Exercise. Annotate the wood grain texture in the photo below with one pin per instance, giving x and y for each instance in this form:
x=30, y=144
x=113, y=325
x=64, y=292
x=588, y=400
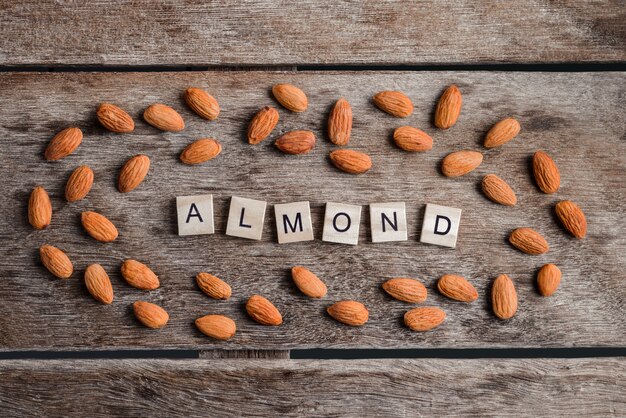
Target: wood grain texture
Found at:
x=370, y=388
x=283, y=32
x=577, y=118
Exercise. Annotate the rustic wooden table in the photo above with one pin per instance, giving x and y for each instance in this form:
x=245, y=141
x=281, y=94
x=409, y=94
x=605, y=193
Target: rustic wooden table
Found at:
x=557, y=67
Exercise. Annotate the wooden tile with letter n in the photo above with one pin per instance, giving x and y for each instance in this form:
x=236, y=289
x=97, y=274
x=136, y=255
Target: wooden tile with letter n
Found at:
x=388, y=222
x=246, y=218
x=195, y=215
x=341, y=223
x=293, y=222
x=441, y=225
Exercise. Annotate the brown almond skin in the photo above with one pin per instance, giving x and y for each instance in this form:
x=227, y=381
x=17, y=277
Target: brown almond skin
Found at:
x=460, y=163
x=139, y=275
x=424, y=318
x=351, y=161
x=133, y=173
x=290, y=97
x=406, y=290
x=394, y=103
x=262, y=124
x=164, y=118
x=546, y=173
x=79, y=184
x=98, y=226
x=498, y=191
x=448, y=108
x=572, y=218
x=502, y=132
x=219, y=327
x=39, y=208
x=308, y=283
x=504, y=297
x=296, y=142
x=548, y=279
x=64, y=143
x=56, y=261
x=98, y=284
x=263, y=311
x=340, y=122
x=412, y=139
x=529, y=241
x=457, y=288
x=114, y=118
x=349, y=312
x=150, y=315
x=202, y=103
x=213, y=286
x=200, y=151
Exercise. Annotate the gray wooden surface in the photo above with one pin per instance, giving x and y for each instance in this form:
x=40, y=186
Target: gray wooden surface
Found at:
x=578, y=118
x=387, y=388
x=147, y=32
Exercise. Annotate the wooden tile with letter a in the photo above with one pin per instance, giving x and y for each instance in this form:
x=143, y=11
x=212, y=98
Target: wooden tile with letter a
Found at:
x=195, y=214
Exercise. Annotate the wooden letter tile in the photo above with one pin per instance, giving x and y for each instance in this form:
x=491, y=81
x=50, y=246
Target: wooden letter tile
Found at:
x=293, y=222
x=195, y=215
x=441, y=225
x=341, y=223
x=388, y=222
x=246, y=218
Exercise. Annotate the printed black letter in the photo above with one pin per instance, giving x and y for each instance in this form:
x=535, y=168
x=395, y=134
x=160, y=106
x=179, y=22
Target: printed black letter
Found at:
x=347, y=218
x=393, y=225
x=287, y=223
x=193, y=213
x=437, y=225
x=241, y=224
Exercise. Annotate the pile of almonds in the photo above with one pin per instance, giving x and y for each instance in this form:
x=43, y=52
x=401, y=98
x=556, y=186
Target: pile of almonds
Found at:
x=350, y=312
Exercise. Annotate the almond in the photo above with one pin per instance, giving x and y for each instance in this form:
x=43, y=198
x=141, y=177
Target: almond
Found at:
x=151, y=315
x=98, y=284
x=350, y=161
x=412, y=139
x=164, y=118
x=406, y=290
x=200, y=151
x=497, y=190
x=504, y=297
x=202, y=103
x=79, y=184
x=64, y=143
x=219, y=327
x=296, y=142
x=291, y=97
x=114, y=118
x=546, y=173
x=457, y=288
x=459, y=163
x=529, y=241
x=448, y=108
x=548, y=279
x=212, y=286
x=139, y=275
x=572, y=218
x=263, y=311
x=56, y=261
x=133, y=172
x=394, y=103
x=340, y=122
x=502, y=132
x=39, y=208
x=98, y=226
x=307, y=282
x=262, y=124
x=349, y=312
x=424, y=319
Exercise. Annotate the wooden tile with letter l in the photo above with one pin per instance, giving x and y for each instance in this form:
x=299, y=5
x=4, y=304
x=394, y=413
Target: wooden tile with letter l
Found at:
x=441, y=225
x=246, y=218
x=195, y=215
x=293, y=222
x=341, y=223
x=388, y=222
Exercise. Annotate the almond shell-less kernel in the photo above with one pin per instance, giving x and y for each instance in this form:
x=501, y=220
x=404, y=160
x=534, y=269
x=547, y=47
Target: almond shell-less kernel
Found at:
x=502, y=132
x=529, y=241
x=98, y=226
x=424, y=318
x=459, y=163
x=79, y=184
x=448, y=108
x=201, y=151
x=56, y=261
x=406, y=290
x=307, y=282
x=64, y=143
x=546, y=173
x=296, y=142
x=503, y=297
x=164, y=118
x=202, y=103
x=457, y=288
x=548, y=279
x=340, y=122
x=114, y=118
x=139, y=275
x=394, y=103
x=290, y=97
x=349, y=312
x=150, y=314
x=98, y=284
x=412, y=139
x=39, y=208
x=572, y=218
x=263, y=311
x=219, y=327
x=350, y=161
x=213, y=286
x=262, y=124
x=497, y=190
x=133, y=173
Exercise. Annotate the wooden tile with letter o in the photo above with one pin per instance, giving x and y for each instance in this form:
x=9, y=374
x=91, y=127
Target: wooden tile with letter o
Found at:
x=441, y=225
x=246, y=218
x=341, y=223
x=388, y=222
x=195, y=215
x=293, y=222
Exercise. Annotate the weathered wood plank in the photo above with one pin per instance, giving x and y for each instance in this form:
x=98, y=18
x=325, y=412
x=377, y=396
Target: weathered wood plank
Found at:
x=283, y=32
x=577, y=118
x=436, y=387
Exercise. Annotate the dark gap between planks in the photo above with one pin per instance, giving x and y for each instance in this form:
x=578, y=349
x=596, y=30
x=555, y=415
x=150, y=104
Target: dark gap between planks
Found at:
x=339, y=354
x=560, y=67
